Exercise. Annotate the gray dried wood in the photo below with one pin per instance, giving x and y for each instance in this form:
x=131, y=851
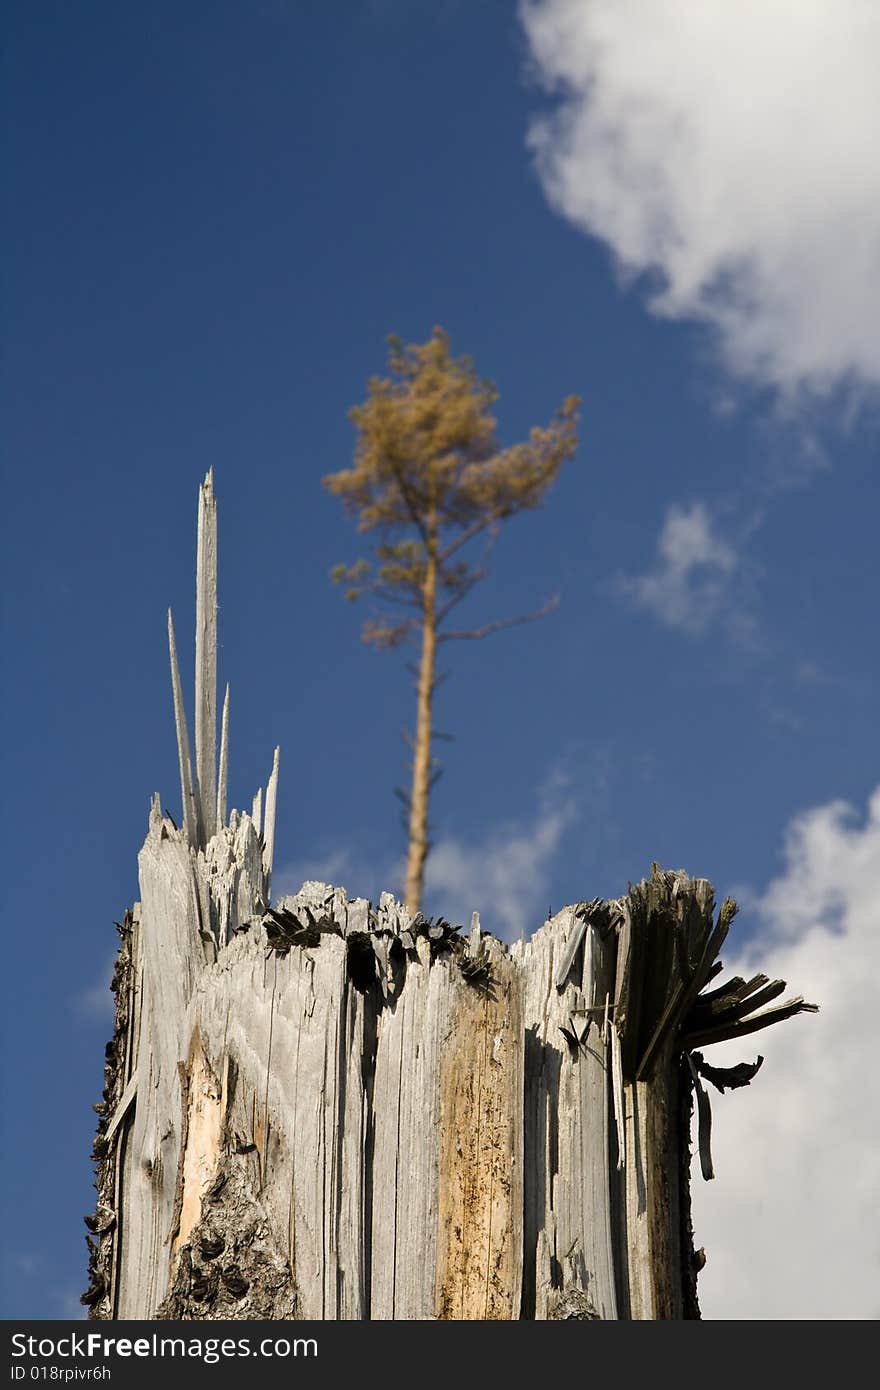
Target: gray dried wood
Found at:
x=223, y=774
x=323, y=1110
x=423, y=1124
x=206, y=659
x=269, y=826
x=187, y=791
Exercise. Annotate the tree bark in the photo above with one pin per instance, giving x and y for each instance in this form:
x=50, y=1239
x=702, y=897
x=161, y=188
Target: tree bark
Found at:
x=417, y=848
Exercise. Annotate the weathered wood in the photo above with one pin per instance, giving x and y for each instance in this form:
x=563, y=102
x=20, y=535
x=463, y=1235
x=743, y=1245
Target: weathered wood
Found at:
x=231, y=865
x=223, y=773
x=287, y=1024
x=269, y=826
x=421, y=1124
x=206, y=659
x=170, y=960
x=739, y=1028
x=109, y=1146
x=187, y=903
x=122, y=1108
x=187, y=791
x=480, y=1158
x=324, y=1110
x=568, y=1238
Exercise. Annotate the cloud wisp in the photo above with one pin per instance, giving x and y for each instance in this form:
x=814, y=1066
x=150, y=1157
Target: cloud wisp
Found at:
x=728, y=153
x=506, y=876
x=788, y=1226
x=689, y=584
x=95, y=1002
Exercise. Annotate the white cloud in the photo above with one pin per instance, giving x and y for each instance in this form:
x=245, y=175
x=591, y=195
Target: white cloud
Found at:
x=506, y=876
x=690, y=585
x=730, y=151
x=96, y=1002
x=790, y=1223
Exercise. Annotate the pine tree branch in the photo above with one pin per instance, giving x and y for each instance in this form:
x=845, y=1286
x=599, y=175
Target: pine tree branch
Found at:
x=463, y=592
x=466, y=535
x=476, y=575
x=410, y=504
x=398, y=600
x=476, y=634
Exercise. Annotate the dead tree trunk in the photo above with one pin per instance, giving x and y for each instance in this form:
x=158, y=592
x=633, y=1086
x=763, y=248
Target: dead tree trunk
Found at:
x=325, y=1110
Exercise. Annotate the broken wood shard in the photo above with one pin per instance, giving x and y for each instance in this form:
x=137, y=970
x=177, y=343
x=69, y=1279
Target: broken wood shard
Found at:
x=187, y=791
x=206, y=659
x=204, y=789
x=269, y=827
x=223, y=774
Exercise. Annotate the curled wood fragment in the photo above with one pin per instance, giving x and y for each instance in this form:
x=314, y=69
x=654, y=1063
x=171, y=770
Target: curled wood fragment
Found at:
x=704, y=1123
x=727, y=1078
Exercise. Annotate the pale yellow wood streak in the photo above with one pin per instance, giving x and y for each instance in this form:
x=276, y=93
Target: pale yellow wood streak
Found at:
x=204, y=1133
x=479, y=1256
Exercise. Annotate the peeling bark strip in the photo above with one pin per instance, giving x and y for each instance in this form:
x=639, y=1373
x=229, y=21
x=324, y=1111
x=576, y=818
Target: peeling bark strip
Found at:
x=113, y=1112
x=322, y=1110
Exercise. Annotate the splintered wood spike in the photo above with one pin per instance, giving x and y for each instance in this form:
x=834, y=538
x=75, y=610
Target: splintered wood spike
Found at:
x=223, y=776
x=187, y=791
x=206, y=659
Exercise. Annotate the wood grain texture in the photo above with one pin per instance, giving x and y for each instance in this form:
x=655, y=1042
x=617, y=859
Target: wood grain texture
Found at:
x=170, y=959
x=569, y=1240
x=408, y=1122
x=269, y=825
x=480, y=1168
x=321, y=1109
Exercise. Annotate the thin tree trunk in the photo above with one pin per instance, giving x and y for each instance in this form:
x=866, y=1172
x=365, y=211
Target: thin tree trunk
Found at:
x=417, y=850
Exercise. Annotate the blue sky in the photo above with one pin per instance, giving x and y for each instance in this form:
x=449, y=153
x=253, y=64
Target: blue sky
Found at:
x=216, y=214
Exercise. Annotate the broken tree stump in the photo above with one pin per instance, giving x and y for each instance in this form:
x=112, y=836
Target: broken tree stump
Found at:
x=322, y=1109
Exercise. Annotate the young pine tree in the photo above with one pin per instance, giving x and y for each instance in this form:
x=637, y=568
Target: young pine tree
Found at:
x=428, y=479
